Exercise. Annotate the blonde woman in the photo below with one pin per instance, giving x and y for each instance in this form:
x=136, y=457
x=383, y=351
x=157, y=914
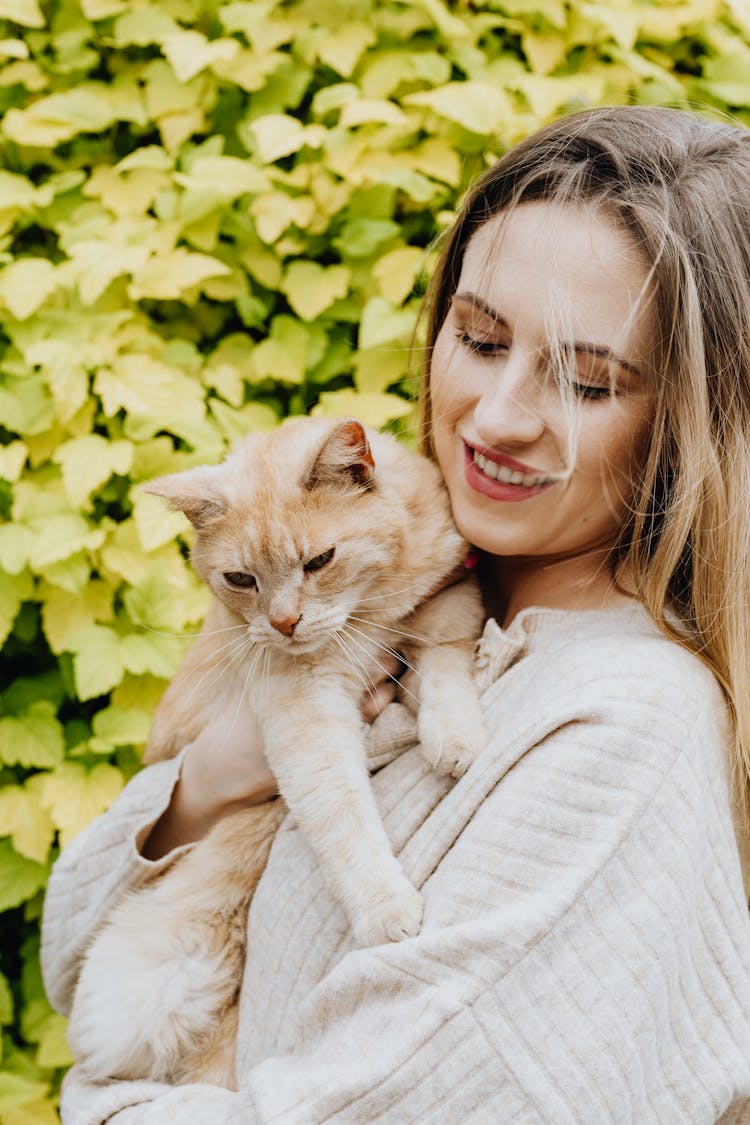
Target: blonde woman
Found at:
x=585, y=950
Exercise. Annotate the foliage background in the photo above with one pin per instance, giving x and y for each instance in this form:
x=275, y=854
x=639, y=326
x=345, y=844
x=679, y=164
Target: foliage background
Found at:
x=213, y=215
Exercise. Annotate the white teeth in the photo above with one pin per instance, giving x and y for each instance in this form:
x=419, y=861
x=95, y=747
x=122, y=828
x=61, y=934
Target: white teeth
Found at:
x=508, y=476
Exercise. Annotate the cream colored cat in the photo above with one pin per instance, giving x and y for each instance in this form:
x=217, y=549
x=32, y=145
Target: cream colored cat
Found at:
x=322, y=543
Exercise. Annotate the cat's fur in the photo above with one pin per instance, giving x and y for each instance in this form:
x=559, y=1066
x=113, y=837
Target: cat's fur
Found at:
x=158, y=989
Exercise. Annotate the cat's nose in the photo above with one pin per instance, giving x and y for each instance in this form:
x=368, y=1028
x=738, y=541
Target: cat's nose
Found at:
x=287, y=624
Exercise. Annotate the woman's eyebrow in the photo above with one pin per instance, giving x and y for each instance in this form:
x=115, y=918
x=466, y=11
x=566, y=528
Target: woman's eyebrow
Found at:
x=582, y=348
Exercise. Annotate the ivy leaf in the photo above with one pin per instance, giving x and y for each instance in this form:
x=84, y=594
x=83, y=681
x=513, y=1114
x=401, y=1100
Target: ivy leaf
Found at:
x=154, y=653
x=20, y=879
x=477, y=106
x=190, y=52
x=88, y=461
x=383, y=324
x=12, y=460
x=22, y=818
x=14, y=590
x=283, y=354
x=312, y=288
x=63, y=614
x=98, y=663
x=156, y=524
x=167, y=276
x=25, y=12
x=34, y=738
x=26, y=284
x=119, y=726
x=75, y=795
x=6, y=1001
x=371, y=408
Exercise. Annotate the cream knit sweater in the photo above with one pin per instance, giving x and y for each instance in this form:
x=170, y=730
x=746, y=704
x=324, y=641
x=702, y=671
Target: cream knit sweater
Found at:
x=585, y=953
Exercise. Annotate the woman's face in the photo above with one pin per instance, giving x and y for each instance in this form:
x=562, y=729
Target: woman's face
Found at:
x=501, y=427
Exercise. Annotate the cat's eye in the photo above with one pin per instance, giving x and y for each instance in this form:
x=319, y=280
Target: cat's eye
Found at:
x=240, y=579
x=320, y=560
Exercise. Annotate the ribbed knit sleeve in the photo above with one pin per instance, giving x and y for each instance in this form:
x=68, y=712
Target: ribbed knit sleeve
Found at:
x=584, y=956
x=94, y=871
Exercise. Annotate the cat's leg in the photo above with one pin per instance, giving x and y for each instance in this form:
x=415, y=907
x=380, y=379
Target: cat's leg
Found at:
x=451, y=731
x=160, y=981
x=315, y=747
x=452, y=734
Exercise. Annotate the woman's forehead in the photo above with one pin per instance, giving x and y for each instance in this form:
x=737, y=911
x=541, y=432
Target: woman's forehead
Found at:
x=567, y=269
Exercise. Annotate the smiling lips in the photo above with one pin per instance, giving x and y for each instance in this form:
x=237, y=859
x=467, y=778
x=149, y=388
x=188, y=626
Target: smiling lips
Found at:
x=503, y=479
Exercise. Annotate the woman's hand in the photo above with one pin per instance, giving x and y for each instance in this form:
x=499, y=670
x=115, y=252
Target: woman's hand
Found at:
x=225, y=769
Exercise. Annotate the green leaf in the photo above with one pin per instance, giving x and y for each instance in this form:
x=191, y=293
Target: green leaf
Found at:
x=477, y=106
x=14, y=589
x=117, y=726
x=22, y=818
x=34, y=738
x=283, y=355
x=74, y=795
x=98, y=663
x=25, y=12
x=20, y=879
x=371, y=408
x=26, y=284
x=383, y=324
x=6, y=1001
x=312, y=288
x=88, y=461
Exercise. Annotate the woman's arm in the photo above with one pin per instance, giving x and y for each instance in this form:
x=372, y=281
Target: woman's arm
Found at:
x=164, y=809
x=585, y=956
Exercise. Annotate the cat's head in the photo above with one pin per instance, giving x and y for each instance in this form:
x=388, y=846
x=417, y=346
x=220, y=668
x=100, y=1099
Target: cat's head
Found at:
x=295, y=530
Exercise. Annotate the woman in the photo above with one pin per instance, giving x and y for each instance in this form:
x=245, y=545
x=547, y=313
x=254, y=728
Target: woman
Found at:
x=585, y=951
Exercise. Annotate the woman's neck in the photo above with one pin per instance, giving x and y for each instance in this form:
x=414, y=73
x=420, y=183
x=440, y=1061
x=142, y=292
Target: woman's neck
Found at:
x=579, y=583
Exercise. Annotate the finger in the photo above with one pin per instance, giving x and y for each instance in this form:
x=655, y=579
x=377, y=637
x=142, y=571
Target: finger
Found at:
x=377, y=699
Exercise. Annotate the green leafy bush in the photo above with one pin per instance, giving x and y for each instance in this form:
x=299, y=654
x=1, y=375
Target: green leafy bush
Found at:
x=213, y=215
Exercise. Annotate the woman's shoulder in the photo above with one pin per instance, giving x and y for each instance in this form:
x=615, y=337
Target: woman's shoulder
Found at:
x=614, y=662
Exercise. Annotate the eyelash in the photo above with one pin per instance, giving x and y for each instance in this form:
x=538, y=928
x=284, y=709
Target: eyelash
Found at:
x=488, y=349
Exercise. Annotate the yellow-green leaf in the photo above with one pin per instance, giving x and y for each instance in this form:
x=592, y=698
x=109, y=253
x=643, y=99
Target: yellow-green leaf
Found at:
x=26, y=284
x=74, y=795
x=89, y=461
x=26, y=12
x=371, y=408
x=312, y=288
x=22, y=818
x=382, y=323
x=14, y=589
x=117, y=726
x=20, y=879
x=64, y=614
x=32, y=739
x=98, y=664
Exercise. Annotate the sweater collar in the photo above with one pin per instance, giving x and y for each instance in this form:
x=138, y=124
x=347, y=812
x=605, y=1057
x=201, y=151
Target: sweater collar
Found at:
x=537, y=627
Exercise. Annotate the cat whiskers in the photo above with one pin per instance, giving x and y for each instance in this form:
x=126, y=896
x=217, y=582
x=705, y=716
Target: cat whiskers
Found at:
x=398, y=632
x=235, y=646
x=364, y=676
x=347, y=629
x=253, y=665
x=202, y=633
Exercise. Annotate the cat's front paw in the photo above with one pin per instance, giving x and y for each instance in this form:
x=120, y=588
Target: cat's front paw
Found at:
x=451, y=742
x=390, y=917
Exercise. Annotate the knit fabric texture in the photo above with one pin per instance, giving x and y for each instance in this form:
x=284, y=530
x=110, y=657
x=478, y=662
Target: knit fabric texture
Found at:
x=585, y=951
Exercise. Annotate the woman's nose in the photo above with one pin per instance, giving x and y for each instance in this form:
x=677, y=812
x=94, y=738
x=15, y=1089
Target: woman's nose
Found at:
x=510, y=411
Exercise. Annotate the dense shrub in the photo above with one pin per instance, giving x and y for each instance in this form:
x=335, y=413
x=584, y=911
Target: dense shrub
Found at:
x=212, y=216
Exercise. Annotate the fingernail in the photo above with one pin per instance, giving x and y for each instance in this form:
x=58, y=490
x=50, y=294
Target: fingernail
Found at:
x=471, y=560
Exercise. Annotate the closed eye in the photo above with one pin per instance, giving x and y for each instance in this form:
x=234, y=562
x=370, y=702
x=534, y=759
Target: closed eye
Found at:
x=482, y=347
x=320, y=561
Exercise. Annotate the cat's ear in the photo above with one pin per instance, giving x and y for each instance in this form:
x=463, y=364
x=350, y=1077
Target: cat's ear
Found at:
x=195, y=492
x=344, y=458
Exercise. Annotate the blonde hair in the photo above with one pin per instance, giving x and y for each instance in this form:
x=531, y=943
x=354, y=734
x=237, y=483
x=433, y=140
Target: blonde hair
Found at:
x=680, y=185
